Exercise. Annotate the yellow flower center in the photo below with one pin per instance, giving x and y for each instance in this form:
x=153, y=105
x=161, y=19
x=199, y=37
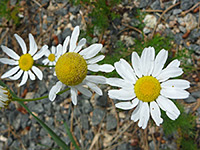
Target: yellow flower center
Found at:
x=26, y=62
x=147, y=88
x=71, y=68
x=51, y=57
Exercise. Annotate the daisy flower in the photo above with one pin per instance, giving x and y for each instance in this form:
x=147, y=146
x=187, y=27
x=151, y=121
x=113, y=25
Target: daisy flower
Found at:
x=5, y=97
x=52, y=57
x=146, y=86
x=24, y=63
x=72, y=67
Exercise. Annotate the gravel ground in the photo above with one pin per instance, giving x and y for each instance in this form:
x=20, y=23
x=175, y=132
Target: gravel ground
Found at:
x=95, y=122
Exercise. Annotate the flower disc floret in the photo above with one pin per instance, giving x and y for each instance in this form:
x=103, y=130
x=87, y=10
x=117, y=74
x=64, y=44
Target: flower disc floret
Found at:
x=147, y=88
x=71, y=68
x=51, y=57
x=26, y=62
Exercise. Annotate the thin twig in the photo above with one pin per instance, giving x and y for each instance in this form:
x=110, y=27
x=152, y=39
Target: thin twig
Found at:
x=187, y=11
x=136, y=29
x=164, y=12
x=151, y=11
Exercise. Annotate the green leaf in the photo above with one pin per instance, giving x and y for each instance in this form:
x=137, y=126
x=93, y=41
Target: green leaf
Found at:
x=71, y=136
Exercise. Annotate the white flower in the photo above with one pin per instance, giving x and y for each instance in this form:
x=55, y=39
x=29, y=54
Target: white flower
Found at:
x=52, y=57
x=24, y=63
x=145, y=84
x=72, y=66
x=5, y=97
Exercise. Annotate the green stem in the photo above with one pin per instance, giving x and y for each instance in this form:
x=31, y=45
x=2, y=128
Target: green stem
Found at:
x=43, y=65
x=39, y=98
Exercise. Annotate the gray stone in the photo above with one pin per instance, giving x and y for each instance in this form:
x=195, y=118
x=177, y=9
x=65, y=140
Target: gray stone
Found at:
x=24, y=120
x=84, y=121
x=38, y=108
x=156, y=5
x=86, y=106
x=111, y=122
x=178, y=38
x=190, y=99
x=182, y=29
x=66, y=140
x=16, y=122
x=33, y=133
x=15, y=145
x=186, y=4
x=145, y=3
x=194, y=35
x=194, y=47
x=177, y=11
x=47, y=141
x=97, y=116
x=61, y=12
x=152, y=145
x=89, y=135
x=126, y=146
x=10, y=140
x=196, y=94
x=77, y=132
x=102, y=100
x=74, y=9
x=13, y=2
x=134, y=22
x=65, y=33
x=77, y=112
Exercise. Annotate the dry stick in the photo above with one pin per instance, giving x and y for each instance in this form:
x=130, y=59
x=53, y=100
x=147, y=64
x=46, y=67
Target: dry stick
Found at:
x=150, y=11
x=154, y=141
x=199, y=20
x=97, y=135
x=146, y=139
x=117, y=135
x=187, y=11
x=164, y=12
x=136, y=29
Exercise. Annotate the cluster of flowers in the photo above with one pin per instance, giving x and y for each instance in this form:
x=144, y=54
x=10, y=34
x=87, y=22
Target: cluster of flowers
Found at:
x=144, y=85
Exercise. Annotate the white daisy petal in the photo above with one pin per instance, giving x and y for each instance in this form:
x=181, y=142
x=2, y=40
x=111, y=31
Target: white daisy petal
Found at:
x=144, y=115
x=9, y=61
x=74, y=39
x=103, y=68
x=21, y=43
x=31, y=75
x=45, y=61
x=125, y=71
x=65, y=44
x=24, y=78
x=74, y=94
x=176, y=83
x=95, y=59
x=84, y=91
x=81, y=43
x=147, y=60
x=32, y=45
x=60, y=50
x=47, y=52
x=169, y=73
x=122, y=94
x=54, y=90
x=119, y=83
x=17, y=75
x=125, y=105
x=136, y=63
x=37, y=72
x=10, y=72
x=10, y=52
x=53, y=50
x=174, y=63
x=159, y=62
x=155, y=113
x=39, y=54
x=91, y=51
x=94, y=87
x=168, y=106
x=174, y=93
x=96, y=79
